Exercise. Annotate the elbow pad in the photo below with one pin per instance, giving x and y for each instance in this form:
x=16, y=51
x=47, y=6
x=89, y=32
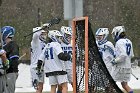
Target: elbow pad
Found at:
x=64, y=56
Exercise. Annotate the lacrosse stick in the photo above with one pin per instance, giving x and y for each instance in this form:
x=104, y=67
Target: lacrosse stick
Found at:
x=46, y=25
x=135, y=76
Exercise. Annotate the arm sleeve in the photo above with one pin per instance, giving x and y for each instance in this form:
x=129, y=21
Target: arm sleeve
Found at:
x=64, y=56
x=12, y=50
x=132, y=53
x=35, y=37
x=120, y=52
x=42, y=55
x=110, y=48
x=61, y=55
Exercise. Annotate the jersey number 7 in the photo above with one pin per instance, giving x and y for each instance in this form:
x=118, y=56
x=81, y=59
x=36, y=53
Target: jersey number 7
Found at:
x=128, y=48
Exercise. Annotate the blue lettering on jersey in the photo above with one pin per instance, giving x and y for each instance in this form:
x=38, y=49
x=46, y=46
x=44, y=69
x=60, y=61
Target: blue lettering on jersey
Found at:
x=106, y=48
x=128, y=48
x=67, y=50
x=49, y=53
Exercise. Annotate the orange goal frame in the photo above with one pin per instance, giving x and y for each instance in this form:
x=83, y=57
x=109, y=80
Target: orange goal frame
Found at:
x=74, y=54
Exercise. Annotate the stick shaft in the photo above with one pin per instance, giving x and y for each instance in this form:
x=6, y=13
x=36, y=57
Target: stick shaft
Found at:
x=39, y=17
x=134, y=76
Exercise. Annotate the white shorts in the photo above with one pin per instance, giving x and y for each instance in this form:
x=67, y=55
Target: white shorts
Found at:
x=69, y=75
x=121, y=74
x=58, y=79
x=39, y=78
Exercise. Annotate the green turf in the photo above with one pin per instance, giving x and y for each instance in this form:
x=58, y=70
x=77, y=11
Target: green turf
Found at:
x=135, y=91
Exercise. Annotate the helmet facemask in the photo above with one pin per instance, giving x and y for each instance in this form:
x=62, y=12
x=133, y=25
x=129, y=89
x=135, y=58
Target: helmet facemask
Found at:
x=101, y=35
x=67, y=34
x=43, y=36
x=67, y=38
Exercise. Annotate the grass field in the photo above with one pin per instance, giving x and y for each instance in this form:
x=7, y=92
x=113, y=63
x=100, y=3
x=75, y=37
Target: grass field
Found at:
x=135, y=91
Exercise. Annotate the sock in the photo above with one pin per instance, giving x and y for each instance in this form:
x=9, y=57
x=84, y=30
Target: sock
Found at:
x=131, y=91
x=58, y=91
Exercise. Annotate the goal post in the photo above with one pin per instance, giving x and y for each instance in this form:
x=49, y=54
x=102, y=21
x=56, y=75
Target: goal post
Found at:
x=90, y=74
x=74, y=22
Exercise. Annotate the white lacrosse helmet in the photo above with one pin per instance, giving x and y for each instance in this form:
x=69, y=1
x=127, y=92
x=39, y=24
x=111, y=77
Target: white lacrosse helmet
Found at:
x=117, y=31
x=55, y=36
x=36, y=29
x=67, y=34
x=43, y=35
x=101, y=35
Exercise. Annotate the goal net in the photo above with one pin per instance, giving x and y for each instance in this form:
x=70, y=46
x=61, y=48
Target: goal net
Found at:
x=90, y=74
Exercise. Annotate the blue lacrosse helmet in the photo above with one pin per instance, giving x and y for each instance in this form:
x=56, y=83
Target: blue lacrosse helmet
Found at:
x=7, y=31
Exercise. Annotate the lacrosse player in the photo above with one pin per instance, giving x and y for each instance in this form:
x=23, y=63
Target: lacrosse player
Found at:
x=123, y=54
x=53, y=66
x=37, y=45
x=12, y=54
x=106, y=48
x=66, y=47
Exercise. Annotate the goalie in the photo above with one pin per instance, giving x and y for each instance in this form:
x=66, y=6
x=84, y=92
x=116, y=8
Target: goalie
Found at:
x=106, y=48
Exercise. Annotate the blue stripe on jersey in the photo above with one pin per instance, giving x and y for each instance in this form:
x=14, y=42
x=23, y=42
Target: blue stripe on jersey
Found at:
x=15, y=56
x=110, y=50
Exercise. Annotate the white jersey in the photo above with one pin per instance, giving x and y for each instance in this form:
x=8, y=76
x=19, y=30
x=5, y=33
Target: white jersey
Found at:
x=124, y=51
x=36, y=48
x=67, y=49
x=107, y=52
x=50, y=57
